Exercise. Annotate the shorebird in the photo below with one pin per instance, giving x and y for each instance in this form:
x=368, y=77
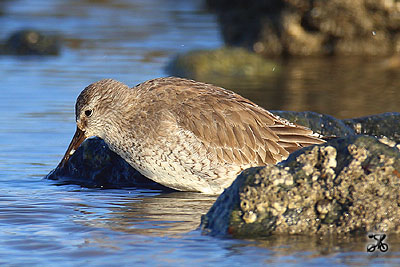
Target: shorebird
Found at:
x=184, y=134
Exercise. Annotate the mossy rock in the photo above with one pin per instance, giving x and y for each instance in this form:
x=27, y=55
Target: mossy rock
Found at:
x=218, y=66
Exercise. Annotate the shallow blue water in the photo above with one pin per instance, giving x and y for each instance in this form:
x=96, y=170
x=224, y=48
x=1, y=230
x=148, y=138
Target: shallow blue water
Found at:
x=43, y=224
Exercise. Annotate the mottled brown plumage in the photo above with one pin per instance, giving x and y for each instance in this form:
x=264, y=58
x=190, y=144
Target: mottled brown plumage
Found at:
x=185, y=134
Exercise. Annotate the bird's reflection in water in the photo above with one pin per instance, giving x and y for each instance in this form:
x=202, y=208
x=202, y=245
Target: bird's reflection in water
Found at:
x=153, y=214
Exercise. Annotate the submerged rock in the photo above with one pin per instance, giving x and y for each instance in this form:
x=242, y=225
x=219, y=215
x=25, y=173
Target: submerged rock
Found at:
x=311, y=27
x=31, y=42
x=94, y=165
x=345, y=186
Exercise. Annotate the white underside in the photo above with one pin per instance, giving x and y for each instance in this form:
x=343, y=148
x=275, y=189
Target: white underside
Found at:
x=183, y=166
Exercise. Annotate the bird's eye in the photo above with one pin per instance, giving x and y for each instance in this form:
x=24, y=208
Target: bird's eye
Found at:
x=88, y=112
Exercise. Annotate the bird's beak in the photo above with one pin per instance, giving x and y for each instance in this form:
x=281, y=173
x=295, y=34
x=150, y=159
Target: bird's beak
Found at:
x=78, y=138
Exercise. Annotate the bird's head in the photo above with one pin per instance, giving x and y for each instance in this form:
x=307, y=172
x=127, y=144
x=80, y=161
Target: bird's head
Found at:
x=95, y=108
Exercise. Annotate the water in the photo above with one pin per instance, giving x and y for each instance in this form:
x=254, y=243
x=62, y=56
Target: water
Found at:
x=45, y=224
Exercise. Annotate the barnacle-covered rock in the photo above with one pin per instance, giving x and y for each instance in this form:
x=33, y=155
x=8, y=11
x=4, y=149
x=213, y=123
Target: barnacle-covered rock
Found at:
x=345, y=186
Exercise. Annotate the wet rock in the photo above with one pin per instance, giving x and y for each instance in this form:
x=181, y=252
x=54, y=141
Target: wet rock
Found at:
x=325, y=125
x=94, y=165
x=384, y=126
x=346, y=186
x=31, y=42
x=222, y=64
x=381, y=125
x=311, y=27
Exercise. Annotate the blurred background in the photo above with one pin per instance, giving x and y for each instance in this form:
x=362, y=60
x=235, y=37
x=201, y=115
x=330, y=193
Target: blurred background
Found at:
x=330, y=57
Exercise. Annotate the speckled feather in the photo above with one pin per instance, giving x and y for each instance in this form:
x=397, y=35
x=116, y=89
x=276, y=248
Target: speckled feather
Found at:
x=224, y=120
x=185, y=134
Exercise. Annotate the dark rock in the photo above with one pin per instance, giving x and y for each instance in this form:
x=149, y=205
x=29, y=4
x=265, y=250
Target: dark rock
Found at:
x=94, y=165
x=31, y=42
x=310, y=27
x=325, y=125
x=346, y=186
x=381, y=125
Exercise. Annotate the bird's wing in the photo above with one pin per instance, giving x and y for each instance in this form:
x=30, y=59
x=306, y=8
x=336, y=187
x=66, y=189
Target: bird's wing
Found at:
x=235, y=129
